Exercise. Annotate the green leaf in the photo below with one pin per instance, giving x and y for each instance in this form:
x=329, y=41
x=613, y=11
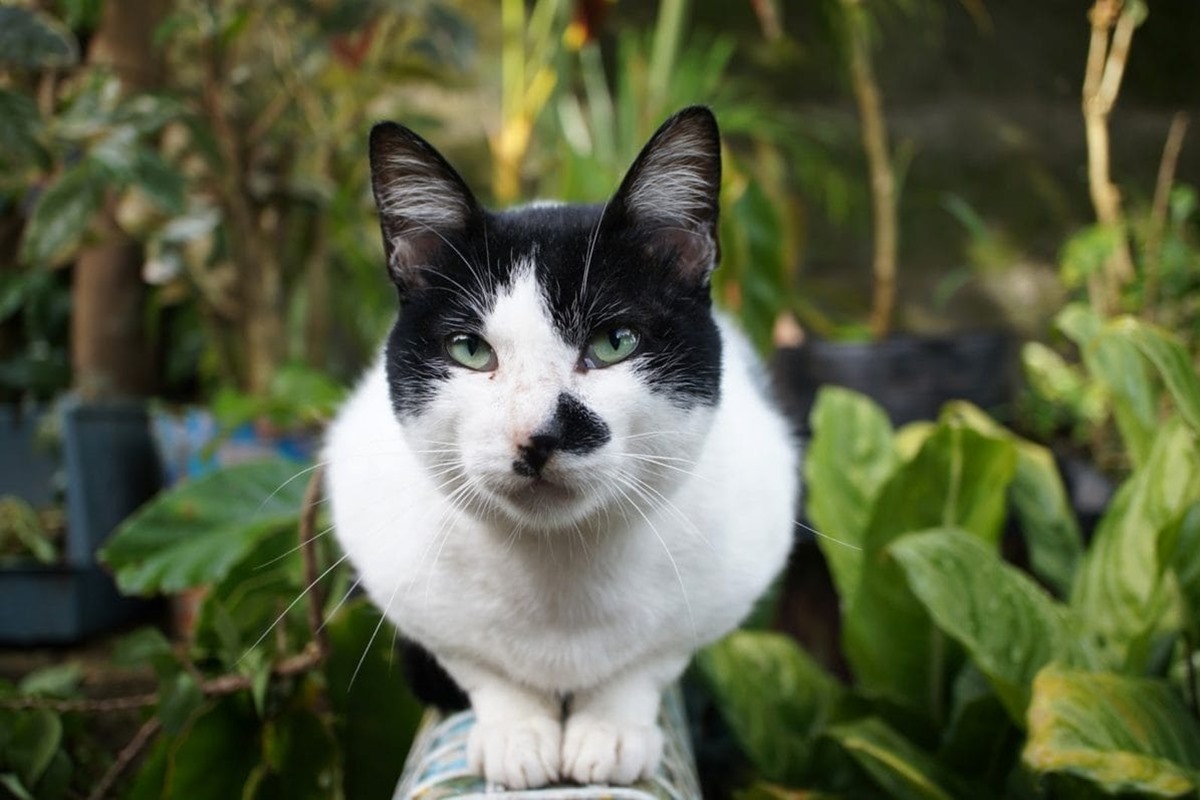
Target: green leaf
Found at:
x=1171, y=360
x=379, y=715
x=1120, y=593
x=1178, y=548
x=195, y=533
x=32, y=40
x=850, y=457
x=1039, y=501
x=35, y=738
x=19, y=126
x=143, y=646
x=1118, y=733
x=161, y=182
x=1085, y=253
x=59, y=680
x=13, y=784
x=63, y=213
x=212, y=758
x=775, y=699
x=300, y=758
x=179, y=698
x=1010, y=627
x=239, y=609
x=958, y=479
x=1114, y=360
x=900, y=768
x=980, y=738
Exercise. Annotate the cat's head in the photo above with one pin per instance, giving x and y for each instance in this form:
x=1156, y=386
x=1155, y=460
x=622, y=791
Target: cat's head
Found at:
x=554, y=362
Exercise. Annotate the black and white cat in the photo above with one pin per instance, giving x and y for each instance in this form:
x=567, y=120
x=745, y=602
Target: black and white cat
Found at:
x=562, y=476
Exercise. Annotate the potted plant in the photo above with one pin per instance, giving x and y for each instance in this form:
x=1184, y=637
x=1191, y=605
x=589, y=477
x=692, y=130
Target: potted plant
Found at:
x=1071, y=672
x=75, y=467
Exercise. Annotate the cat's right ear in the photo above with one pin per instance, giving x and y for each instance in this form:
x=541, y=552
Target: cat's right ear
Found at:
x=422, y=201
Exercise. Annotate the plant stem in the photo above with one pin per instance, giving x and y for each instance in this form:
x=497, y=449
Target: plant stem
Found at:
x=1102, y=81
x=883, y=182
x=308, y=519
x=126, y=757
x=1159, y=209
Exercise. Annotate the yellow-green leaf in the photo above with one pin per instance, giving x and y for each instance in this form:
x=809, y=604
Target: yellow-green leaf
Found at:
x=1121, y=734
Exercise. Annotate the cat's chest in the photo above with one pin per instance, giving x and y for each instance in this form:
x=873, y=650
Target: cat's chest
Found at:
x=561, y=612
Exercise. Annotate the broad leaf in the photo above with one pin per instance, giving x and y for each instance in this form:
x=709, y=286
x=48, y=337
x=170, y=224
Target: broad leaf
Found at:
x=161, y=182
x=1120, y=734
x=32, y=40
x=979, y=739
x=1178, y=548
x=179, y=698
x=1172, y=362
x=1116, y=363
x=900, y=768
x=1039, y=501
x=63, y=213
x=34, y=740
x=195, y=533
x=1008, y=625
x=775, y=699
x=213, y=757
x=300, y=759
x=959, y=479
x=378, y=715
x=850, y=457
x=1120, y=594
x=19, y=125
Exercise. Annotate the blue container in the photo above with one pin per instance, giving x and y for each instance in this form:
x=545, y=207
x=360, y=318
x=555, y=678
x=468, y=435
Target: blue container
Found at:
x=108, y=466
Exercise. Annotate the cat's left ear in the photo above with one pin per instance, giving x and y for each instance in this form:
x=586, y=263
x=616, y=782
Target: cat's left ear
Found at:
x=672, y=191
x=423, y=203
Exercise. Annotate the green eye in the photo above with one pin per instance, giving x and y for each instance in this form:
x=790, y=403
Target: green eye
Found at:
x=610, y=347
x=471, y=351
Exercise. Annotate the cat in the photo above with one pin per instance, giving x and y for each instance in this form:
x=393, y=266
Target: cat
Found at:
x=563, y=475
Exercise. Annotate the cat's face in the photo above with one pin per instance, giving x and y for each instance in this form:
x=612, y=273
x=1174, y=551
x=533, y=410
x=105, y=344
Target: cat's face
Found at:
x=554, y=363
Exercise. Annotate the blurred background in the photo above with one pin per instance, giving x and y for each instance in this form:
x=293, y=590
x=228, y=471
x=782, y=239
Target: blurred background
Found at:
x=923, y=200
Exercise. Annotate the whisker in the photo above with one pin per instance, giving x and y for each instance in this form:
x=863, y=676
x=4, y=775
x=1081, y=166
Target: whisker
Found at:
x=816, y=532
x=678, y=575
x=292, y=605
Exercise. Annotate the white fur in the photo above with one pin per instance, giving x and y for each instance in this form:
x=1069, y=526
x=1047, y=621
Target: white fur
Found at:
x=597, y=591
x=671, y=184
x=420, y=196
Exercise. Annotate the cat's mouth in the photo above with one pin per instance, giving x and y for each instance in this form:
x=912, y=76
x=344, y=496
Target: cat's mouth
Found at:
x=538, y=495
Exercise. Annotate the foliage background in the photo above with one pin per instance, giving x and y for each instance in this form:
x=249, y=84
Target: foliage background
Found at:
x=225, y=187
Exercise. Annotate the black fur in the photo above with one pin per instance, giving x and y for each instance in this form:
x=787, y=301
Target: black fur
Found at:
x=646, y=274
x=429, y=683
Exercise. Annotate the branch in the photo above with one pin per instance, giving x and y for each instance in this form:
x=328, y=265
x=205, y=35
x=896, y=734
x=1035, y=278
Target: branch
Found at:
x=126, y=757
x=1102, y=80
x=308, y=522
x=310, y=658
x=883, y=185
x=1158, y=211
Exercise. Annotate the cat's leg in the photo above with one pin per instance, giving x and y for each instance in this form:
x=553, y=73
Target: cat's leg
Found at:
x=612, y=733
x=517, y=737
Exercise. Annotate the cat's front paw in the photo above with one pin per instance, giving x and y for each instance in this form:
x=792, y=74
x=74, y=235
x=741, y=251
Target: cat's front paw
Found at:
x=596, y=750
x=520, y=754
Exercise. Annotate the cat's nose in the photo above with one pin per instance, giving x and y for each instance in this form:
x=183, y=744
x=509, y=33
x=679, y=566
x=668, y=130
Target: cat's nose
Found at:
x=537, y=451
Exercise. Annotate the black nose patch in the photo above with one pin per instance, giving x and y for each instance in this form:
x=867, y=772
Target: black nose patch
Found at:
x=574, y=428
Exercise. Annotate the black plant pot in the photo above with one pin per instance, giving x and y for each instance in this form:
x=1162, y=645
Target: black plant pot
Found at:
x=111, y=468
x=910, y=376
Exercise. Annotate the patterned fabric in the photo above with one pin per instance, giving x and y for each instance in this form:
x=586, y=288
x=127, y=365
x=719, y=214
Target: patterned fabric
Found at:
x=437, y=765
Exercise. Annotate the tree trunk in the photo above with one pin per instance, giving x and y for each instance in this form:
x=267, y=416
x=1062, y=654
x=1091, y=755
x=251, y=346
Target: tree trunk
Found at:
x=111, y=351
